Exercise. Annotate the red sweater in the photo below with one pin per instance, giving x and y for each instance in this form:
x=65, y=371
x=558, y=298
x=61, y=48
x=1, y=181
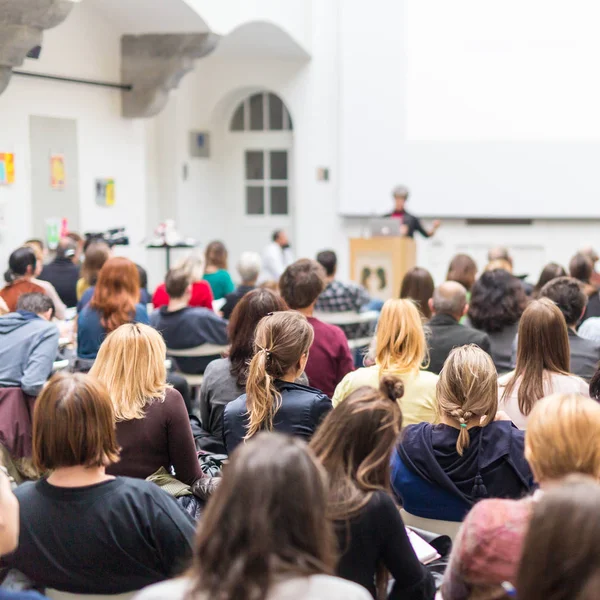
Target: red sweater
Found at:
x=202, y=295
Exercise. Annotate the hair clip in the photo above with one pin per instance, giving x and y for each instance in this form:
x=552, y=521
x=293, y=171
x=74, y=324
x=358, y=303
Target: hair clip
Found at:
x=463, y=424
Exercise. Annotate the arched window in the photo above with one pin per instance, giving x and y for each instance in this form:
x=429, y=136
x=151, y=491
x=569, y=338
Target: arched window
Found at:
x=261, y=112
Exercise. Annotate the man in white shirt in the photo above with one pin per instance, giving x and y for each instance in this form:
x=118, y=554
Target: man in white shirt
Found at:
x=277, y=256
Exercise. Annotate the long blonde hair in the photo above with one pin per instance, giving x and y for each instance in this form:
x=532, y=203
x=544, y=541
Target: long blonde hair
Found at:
x=467, y=388
x=401, y=346
x=280, y=341
x=131, y=363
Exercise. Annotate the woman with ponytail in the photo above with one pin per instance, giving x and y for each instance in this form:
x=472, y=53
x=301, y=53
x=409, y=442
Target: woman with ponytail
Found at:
x=21, y=272
x=441, y=471
x=354, y=444
x=273, y=402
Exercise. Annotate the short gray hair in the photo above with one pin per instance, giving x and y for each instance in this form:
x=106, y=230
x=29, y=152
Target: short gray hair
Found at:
x=35, y=303
x=400, y=191
x=450, y=298
x=249, y=266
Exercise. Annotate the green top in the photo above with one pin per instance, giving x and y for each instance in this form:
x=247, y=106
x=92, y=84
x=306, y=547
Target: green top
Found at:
x=220, y=282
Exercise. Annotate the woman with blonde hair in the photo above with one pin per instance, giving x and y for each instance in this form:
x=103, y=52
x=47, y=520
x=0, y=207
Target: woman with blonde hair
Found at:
x=272, y=401
x=202, y=296
x=441, y=471
x=354, y=444
x=401, y=351
x=561, y=439
x=153, y=428
x=543, y=362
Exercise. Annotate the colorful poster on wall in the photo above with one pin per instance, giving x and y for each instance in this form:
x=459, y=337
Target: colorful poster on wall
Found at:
x=57, y=171
x=105, y=192
x=7, y=168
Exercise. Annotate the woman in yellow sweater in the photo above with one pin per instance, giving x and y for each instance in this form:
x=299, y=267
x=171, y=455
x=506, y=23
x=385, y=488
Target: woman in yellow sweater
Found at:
x=401, y=350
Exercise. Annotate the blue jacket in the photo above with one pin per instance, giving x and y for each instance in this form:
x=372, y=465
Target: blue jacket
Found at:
x=302, y=409
x=28, y=348
x=433, y=481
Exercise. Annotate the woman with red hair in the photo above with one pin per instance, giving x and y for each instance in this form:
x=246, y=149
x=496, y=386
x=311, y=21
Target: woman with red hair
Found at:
x=114, y=303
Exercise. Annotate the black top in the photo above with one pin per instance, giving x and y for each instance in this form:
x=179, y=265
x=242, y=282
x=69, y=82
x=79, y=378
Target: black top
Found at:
x=413, y=223
x=110, y=538
x=302, y=409
x=232, y=299
x=63, y=274
x=585, y=355
x=593, y=307
x=446, y=333
x=375, y=537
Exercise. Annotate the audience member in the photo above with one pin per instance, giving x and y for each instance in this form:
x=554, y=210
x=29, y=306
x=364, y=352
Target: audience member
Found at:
x=49, y=290
x=488, y=547
x=63, y=271
x=549, y=272
x=355, y=443
x=9, y=533
x=96, y=254
x=341, y=296
x=593, y=256
x=21, y=272
x=568, y=295
x=39, y=246
x=145, y=297
x=330, y=357
x=441, y=471
x=225, y=378
x=79, y=245
x=401, y=350
x=265, y=534
x=500, y=253
x=249, y=267
x=417, y=285
x=463, y=270
x=216, y=273
x=83, y=531
x=273, y=401
x=448, y=306
x=28, y=344
x=115, y=302
x=543, y=362
x=202, y=296
x=277, y=257
x=184, y=326
x=153, y=429
x=497, y=303
x=561, y=559
x=581, y=268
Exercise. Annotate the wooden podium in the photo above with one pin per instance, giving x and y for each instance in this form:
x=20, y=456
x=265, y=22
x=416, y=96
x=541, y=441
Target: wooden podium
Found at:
x=379, y=264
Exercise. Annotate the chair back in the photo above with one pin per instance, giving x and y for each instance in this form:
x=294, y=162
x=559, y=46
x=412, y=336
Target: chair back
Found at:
x=203, y=350
x=58, y=595
x=449, y=528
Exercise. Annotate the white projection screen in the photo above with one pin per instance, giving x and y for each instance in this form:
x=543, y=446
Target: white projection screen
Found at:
x=483, y=109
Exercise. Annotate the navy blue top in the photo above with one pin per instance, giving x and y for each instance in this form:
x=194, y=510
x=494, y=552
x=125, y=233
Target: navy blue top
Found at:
x=302, y=409
x=91, y=334
x=433, y=481
x=24, y=595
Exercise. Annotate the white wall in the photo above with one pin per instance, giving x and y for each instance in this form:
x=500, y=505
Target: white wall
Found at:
x=85, y=45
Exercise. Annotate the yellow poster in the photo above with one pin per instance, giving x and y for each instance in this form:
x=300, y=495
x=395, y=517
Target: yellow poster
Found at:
x=57, y=172
x=105, y=192
x=7, y=168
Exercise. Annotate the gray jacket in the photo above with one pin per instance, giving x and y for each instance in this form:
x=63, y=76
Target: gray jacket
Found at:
x=28, y=348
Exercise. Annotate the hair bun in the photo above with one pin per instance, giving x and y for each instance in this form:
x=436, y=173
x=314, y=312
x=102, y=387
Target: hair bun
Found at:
x=9, y=276
x=391, y=387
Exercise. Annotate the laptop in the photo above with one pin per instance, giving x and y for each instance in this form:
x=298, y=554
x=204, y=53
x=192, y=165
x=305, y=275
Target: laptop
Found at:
x=385, y=227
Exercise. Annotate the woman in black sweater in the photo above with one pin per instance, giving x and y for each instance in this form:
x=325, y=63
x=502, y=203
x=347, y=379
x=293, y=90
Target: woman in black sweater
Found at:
x=354, y=443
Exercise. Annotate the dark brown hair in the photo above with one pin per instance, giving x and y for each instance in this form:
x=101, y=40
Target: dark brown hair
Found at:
x=561, y=555
x=569, y=296
x=216, y=255
x=543, y=345
x=549, y=272
x=498, y=300
x=417, y=285
x=117, y=293
x=581, y=268
x=95, y=256
x=462, y=269
x=280, y=341
x=74, y=424
x=177, y=282
x=266, y=520
x=302, y=283
x=354, y=444
x=245, y=317
x=595, y=386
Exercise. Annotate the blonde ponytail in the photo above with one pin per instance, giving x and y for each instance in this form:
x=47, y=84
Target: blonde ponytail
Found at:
x=467, y=388
x=280, y=341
